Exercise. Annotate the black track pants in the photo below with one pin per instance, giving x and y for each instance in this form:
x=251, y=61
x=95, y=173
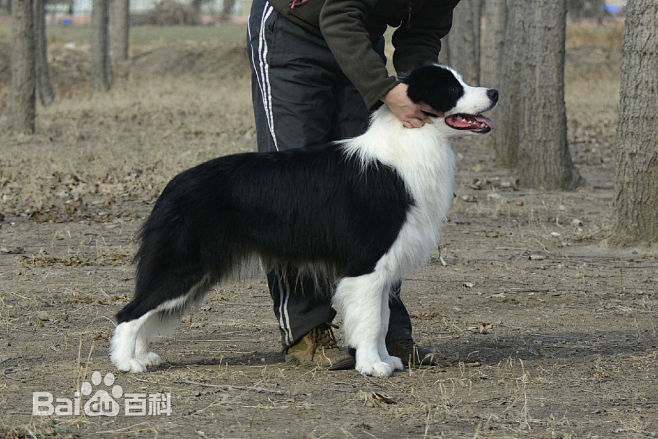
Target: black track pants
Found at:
x=302, y=98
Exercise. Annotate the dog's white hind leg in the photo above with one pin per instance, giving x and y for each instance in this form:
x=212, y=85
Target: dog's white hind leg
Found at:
x=144, y=354
x=130, y=343
x=158, y=324
x=154, y=325
x=360, y=299
x=123, y=345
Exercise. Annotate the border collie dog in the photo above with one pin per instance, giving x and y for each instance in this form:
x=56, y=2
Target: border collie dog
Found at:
x=357, y=214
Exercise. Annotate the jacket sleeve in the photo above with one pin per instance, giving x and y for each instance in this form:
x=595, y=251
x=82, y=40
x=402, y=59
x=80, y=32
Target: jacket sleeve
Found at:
x=419, y=39
x=342, y=24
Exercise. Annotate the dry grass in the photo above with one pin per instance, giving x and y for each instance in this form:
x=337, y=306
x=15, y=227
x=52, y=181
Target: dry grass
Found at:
x=608, y=35
x=147, y=137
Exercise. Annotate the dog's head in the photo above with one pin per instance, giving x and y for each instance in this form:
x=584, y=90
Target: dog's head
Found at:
x=444, y=90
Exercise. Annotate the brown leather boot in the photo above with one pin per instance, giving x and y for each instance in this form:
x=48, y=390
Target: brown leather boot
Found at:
x=412, y=354
x=319, y=348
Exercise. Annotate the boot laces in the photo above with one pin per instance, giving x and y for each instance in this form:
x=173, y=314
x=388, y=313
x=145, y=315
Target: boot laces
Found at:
x=324, y=336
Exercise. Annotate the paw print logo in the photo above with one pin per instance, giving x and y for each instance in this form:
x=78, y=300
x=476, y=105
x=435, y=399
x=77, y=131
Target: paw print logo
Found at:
x=102, y=403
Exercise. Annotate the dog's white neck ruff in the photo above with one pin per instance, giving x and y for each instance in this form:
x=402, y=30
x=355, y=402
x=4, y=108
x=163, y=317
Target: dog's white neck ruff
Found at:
x=425, y=161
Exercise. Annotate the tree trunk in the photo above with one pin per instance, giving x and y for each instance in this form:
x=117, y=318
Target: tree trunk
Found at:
x=23, y=85
x=492, y=53
x=506, y=135
x=196, y=5
x=494, y=39
x=635, y=207
x=101, y=67
x=227, y=10
x=544, y=157
x=463, y=48
x=44, y=85
x=120, y=29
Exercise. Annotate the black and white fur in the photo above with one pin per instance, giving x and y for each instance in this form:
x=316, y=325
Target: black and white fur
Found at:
x=362, y=212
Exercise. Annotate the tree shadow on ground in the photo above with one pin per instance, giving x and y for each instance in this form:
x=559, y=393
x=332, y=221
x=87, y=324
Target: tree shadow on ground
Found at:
x=491, y=349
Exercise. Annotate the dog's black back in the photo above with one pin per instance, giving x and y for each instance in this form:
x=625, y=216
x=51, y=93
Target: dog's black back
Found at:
x=210, y=217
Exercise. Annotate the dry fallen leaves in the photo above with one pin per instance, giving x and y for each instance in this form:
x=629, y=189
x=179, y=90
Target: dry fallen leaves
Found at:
x=375, y=399
x=481, y=328
x=423, y=316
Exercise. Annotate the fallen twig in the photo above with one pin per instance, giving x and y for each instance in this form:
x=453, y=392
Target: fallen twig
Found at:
x=543, y=246
x=9, y=369
x=110, y=320
x=230, y=387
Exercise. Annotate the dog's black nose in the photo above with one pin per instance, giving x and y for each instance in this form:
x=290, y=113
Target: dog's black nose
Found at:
x=492, y=93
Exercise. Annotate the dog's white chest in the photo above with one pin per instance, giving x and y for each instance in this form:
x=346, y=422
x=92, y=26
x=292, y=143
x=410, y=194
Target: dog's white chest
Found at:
x=425, y=162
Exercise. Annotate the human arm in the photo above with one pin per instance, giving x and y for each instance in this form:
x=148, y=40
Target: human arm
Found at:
x=419, y=39
x=343, y=26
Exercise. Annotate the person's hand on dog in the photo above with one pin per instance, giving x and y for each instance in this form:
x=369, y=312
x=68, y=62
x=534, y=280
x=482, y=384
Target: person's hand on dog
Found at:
x=410, y=113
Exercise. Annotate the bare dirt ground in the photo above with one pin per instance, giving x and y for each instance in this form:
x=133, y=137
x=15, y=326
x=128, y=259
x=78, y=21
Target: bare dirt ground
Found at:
x=546, y=333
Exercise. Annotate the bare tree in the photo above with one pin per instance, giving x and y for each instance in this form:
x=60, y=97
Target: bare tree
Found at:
x=44, y=85
x=227, y=10
x=196, y=4
x=635, y=207
x=101, y=66
x=462, y=50
x=23, y=84
x=506, y=136
x=120, y=29
x=544, y=159
x=491, y=58
x=533, y=126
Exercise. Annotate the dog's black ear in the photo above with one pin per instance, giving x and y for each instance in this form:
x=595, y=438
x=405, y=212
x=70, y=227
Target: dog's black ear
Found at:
x=434, y=85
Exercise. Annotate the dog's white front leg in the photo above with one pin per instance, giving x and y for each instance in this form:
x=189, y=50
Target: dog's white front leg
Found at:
x=360, y=299
x=394, y=362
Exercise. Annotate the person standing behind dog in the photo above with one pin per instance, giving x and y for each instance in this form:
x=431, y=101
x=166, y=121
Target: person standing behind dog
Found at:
x=318, y=70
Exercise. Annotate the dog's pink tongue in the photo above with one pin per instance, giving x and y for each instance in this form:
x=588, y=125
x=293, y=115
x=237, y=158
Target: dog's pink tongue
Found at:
x=485, y=120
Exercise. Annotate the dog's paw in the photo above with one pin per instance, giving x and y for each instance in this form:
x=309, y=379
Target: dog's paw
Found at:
x=150, y=359
x=395, y=363
x=131, y=365
x=376, y=369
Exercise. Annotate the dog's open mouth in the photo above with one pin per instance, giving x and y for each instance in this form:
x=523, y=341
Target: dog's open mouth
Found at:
x=472, y=122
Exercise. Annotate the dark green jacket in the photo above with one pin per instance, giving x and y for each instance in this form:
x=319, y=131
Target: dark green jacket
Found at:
x=350, y=26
